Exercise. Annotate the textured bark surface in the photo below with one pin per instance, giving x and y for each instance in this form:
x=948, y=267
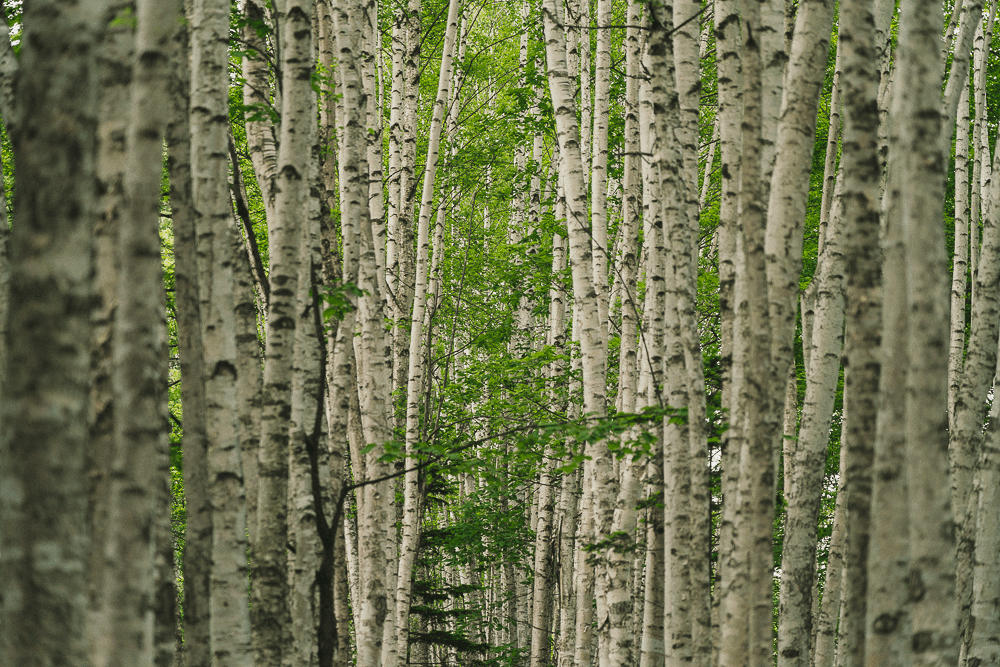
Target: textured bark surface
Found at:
x=746, y=615
x=631, y=220
x=888, y=547
x=292, y=182
x=973, y=382
x=829, y=609
x=730, y=87
x=248, y=372
x=46, y=396
x=789, y=191
x=417, y=360
x=598, y=471
x=652, y=651
x=310, y=580
x=984, y=641
x=543, y=567
x=139, y=462
x=227, y=605
x=372, y=354
x=400, y=260
x=808, y=462
x=598, y=146
x=864, y=317
x=261, y=141
x=932, y=530
x=832, y=144
x=189, y=338
x=115, y=61
x=960, y=257
x=958, y=73
x=210, y=197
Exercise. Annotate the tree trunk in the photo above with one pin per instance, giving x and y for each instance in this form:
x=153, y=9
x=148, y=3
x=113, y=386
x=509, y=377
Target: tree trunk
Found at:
x=46, y=395
x=631, y=219
x=417, y=369
x=960, y=258
x=932, y=541
x=730, y=91
x=372, y=369
x=984, y=640
x=652, y=651
x=404, y=266
x=829, y=611
x=309, y=593
x=187, y=298
x=888, y=542
x=115, y=63
x=599, y=158
x=585, y=318
x=808, y=463
x=138, y=465
x=790, y=183
x=261, y=141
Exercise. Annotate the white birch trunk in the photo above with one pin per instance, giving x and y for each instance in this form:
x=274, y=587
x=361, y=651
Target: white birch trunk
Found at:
x=309, y=580
x=210, y=195
x=958, y=74
x=417, y=369
x=965, y=437
x=932, y=541
x=790, y=182
x=888, y=547
x=115, y=81
x=806, y=469
x=46, y=396
x=404, y=266
x=586, y=321
x=227, y=609
x=746, y=615
x=261, y=142
x=829, y=610
x=144, y=169
x=543, y=567
x=599, y=158
x=652, y=651
x=631, y=219
x=270, y=584
x=862, y=337
x=393, y=182
x=730, y=91
x=984, y=639
x=981, y=172
x=198, y=537
x=372, y=367
x=960, y=257
x=138, y=368
x=832, y=142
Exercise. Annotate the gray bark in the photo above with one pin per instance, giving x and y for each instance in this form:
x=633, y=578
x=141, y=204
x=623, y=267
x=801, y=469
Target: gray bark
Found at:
x=932, y=538
x=46, y=396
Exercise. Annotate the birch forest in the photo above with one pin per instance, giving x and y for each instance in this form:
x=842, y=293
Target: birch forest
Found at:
x=534, y=333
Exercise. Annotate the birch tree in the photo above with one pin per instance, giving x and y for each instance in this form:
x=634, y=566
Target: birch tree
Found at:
x=46, y=395
x=187, y=298
x=115, y=61
x=372, y=364
x=861, y=380
x=417, y=370
x=139, y=460
x=932, y=564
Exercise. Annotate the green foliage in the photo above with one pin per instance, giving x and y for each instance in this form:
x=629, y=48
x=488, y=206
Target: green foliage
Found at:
x=178, y=529
x=338, y=300
x=125, y=17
